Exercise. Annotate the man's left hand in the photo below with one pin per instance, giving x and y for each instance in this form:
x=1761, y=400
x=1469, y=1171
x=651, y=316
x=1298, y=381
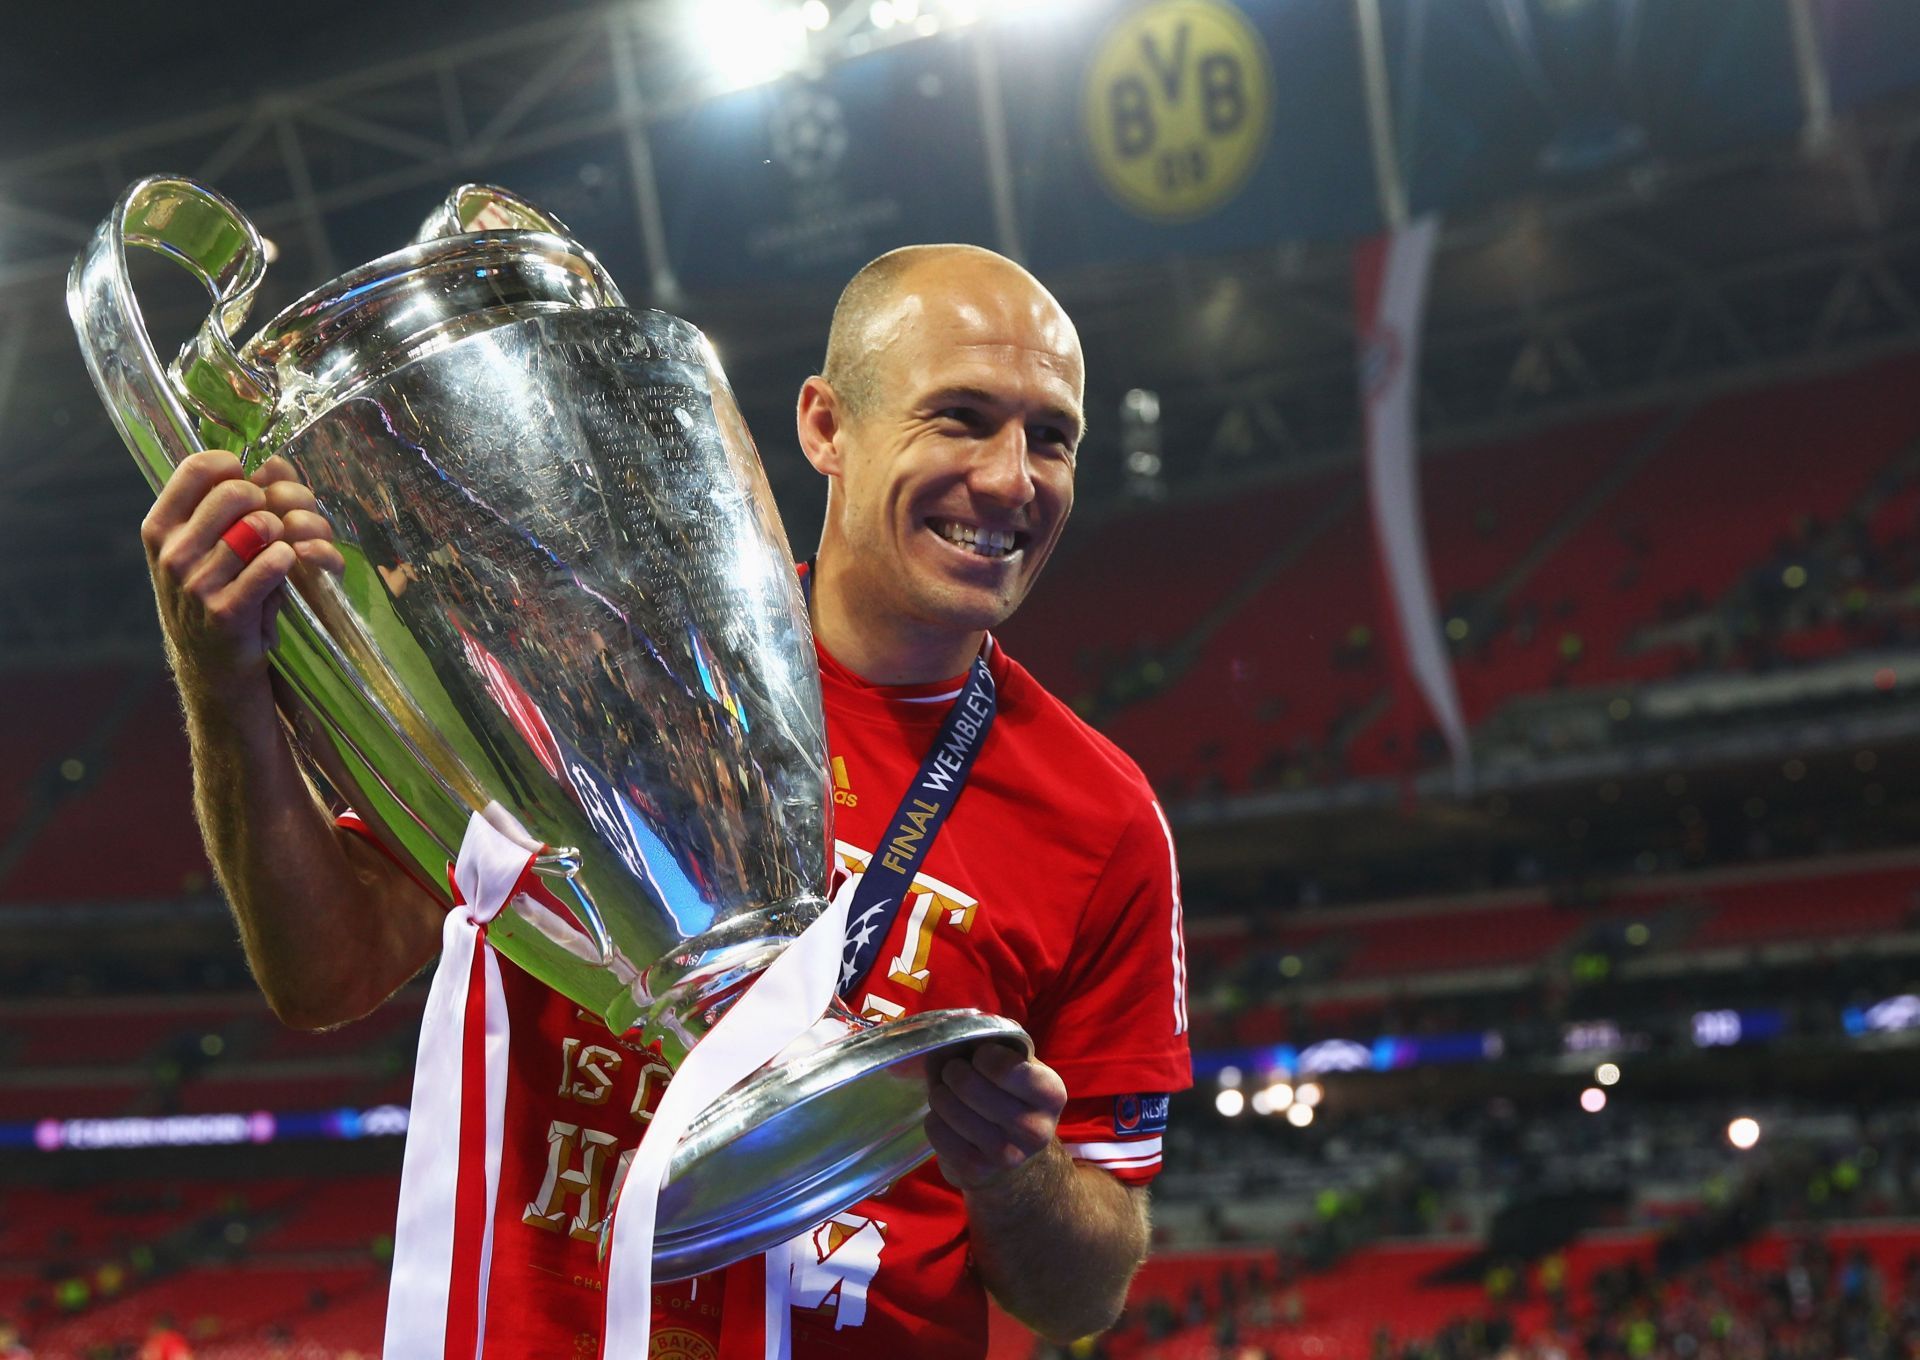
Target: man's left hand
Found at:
x=992, y=1113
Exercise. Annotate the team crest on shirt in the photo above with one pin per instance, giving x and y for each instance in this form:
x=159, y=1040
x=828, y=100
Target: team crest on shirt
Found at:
x=1140, y=1114
x=677, y=1343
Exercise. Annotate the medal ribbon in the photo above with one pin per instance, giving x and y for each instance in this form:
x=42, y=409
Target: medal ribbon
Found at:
x=910, y=833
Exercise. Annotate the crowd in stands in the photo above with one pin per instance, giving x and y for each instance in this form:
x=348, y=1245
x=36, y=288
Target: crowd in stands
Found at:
x=1774, y=1260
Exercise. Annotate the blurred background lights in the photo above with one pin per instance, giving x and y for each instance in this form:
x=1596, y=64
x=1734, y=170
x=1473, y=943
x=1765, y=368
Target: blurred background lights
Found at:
x=1230, y=1102
x=1593, y=1100
x=1743, y=1132
x=749, y=42
x=1607, y=1074
x=1299, y=1115
x=1229, y=1076
x=1309, y=1094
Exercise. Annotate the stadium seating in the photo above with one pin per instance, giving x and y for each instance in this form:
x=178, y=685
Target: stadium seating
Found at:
x=1589, y=546
x=1249, y=646
x=50, y=716
x=129, y=833
x=1390, y=1289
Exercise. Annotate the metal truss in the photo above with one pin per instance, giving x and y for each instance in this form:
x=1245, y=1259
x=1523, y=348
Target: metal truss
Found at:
x=1664, y=281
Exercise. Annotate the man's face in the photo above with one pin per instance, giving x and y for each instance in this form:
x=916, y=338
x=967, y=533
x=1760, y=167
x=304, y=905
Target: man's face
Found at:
x=956, y=476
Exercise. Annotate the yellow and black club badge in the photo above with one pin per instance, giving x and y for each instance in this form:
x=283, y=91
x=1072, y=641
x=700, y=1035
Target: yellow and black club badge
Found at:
x=1176, y=105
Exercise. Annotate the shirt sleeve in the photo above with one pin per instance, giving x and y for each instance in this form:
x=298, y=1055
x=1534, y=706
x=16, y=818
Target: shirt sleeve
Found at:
x=1115, y=1022
x=1119, y=1134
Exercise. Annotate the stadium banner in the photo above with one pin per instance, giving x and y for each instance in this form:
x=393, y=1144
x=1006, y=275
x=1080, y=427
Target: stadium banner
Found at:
x=1390, y=275
x=804, y=178
x=1183, y=127
x=1497, y=97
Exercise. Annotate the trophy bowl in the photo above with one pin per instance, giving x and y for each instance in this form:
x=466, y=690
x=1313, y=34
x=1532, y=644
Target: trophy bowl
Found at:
x=567, y=597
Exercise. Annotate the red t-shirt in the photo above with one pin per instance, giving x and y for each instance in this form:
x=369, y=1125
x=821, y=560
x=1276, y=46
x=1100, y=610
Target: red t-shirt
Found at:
x=1050, y=897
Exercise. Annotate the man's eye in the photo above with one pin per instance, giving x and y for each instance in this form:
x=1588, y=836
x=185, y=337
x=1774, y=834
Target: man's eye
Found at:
x=959, y=415
x=1051, y=435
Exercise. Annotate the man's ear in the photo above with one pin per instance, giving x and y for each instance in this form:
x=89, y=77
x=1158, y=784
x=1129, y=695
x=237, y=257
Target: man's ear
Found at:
x=820, y=418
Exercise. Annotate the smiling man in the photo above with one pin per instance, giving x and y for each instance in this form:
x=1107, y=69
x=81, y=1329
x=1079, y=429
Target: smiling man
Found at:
x=947, y=423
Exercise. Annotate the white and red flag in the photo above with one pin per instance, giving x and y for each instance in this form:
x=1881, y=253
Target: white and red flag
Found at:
x=1390, y=292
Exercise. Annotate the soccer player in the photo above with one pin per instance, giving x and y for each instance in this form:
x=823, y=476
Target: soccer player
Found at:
x=947, y=421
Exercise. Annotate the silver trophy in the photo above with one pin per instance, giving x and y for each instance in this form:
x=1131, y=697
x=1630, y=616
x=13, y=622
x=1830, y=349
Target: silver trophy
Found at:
x=567, y=595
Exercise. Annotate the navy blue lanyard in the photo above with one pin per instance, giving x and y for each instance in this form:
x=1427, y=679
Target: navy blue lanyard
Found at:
x=922, y=812
x=918, y=819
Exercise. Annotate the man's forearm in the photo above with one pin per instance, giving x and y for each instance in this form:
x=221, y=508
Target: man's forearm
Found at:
x=1057, y=1243
x=316, y=916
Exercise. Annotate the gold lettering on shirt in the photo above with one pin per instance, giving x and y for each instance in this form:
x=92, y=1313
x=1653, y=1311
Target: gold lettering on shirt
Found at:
x=654, y=1075
x=930, y=909
x=576, y=1175
x=930, y=904
x=593, y=1069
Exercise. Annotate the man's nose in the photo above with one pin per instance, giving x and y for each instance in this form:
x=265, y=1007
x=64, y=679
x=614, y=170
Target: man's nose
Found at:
x=1002, y=469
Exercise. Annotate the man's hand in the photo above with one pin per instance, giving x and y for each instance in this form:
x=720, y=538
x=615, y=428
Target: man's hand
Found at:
x=1055, y=1242
x=216, y=607
x=992, y=1114
x=331, y=926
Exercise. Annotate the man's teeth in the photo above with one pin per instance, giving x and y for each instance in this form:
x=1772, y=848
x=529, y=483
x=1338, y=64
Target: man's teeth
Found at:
x=983, y=542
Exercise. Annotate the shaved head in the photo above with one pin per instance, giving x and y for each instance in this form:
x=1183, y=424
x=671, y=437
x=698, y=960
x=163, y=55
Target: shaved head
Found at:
x=947, y=421
x=863, y=318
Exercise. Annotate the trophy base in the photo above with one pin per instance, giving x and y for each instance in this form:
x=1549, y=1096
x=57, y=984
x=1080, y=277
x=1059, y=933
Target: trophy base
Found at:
x=806, y=1137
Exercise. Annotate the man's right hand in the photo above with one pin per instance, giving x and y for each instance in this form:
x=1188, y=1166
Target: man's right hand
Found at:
x=331, y=926
x=217, y=610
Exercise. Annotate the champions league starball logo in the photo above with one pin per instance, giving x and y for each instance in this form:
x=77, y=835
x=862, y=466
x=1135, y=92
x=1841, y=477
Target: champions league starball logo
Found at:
x=809, y=134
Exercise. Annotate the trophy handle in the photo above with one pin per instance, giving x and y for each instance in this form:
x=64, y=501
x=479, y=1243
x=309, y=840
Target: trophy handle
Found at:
x=486, y=207
x=209, y=397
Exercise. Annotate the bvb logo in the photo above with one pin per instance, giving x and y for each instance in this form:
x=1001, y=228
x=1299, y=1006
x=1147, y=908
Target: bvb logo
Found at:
x=1176, y=104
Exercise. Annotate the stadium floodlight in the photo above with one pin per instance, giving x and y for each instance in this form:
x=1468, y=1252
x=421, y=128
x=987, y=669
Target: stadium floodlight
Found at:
x=1230, y=1102
x=1743, y=1132
x=815, y=15
x=1593, y=1100
x=1607, y=1074
x=1299, y=1115
x=880, y=14
x=749, y=42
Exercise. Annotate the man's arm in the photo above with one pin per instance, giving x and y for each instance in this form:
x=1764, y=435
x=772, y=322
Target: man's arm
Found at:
x=331, y=926
x=1056, y=1242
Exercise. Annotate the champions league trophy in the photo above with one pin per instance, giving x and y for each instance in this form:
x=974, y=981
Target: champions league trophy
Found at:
x=567, y=596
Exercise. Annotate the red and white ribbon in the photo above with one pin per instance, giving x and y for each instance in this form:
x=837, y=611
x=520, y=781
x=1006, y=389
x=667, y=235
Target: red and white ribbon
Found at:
x=782, y=1004
x=443, y=1242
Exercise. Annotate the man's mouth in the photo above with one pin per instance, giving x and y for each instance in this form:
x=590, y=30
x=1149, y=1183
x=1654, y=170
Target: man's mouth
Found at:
x=993, y=544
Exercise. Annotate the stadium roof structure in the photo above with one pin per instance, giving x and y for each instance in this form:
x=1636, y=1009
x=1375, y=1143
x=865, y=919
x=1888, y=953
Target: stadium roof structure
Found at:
x=1623, y=287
